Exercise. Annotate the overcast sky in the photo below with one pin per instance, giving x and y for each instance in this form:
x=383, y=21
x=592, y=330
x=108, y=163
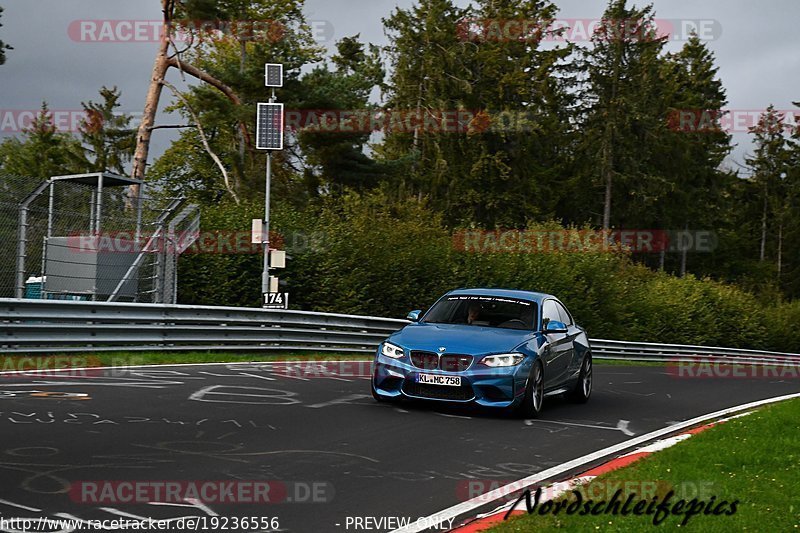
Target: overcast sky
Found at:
x=757, y=46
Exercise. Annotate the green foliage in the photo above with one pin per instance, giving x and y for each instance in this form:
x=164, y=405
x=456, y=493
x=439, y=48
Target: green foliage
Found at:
x=495, y=172
x=749, y=459
x=105, y=143
x=107, y=135
x=336, y=161
x=238, y=61
x=593, y=138
x=363, y=254
x=590, y=143
x=218, y=278
x=43, y=152
x=371, y=253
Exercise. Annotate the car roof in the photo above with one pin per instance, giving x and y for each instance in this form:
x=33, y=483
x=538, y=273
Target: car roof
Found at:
x=537, y=297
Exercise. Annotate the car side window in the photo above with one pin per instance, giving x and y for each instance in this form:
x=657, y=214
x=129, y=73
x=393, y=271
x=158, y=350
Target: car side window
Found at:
x=550, y=312
x=565, y=316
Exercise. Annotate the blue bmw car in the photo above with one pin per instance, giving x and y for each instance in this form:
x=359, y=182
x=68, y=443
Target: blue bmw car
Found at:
x=495, y=348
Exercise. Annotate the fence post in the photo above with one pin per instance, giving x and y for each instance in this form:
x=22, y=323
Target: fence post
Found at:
x=22, y=239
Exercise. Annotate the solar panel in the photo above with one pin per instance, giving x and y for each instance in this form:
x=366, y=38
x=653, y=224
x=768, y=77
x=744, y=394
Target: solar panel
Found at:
x=273, y=74
x=269, y=127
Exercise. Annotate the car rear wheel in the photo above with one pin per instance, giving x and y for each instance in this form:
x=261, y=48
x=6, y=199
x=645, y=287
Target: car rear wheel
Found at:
x=534, y=393
x=583, y=388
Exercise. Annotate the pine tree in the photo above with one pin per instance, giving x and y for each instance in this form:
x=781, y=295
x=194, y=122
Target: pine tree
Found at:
x=625, y=98
x=694, y=190
x=769, y=166
x=107, y=135
x=506, y=164
x=791, y=243
x=431, y=73
x=44, y=152
x=335, y=162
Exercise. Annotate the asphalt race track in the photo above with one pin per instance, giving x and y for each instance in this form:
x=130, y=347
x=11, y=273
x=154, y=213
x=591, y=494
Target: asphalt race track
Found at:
x=324, y=438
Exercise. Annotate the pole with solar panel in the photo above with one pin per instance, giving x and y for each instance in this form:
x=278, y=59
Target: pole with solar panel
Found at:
x=269, y=137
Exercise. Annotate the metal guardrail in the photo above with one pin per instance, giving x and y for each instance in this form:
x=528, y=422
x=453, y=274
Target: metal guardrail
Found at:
x=53, y=326
x=645, y=351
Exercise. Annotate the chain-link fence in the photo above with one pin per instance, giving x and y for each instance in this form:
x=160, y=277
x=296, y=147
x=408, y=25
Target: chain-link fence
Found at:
x=90, y=237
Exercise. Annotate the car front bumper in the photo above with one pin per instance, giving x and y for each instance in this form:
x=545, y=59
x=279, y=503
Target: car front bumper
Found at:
x=481, y=385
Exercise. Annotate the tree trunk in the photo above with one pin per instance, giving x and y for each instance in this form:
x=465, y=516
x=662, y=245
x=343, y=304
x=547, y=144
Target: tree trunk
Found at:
x=162, y=64
x=608, y=135
x=780, y=251
x=764, y=226
x=608, y=178
x=160, y=67
x=684, y=251
x=242, y=65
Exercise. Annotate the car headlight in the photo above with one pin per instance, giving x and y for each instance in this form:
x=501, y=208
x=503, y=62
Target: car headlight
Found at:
x=506, y=359
x=390, y=350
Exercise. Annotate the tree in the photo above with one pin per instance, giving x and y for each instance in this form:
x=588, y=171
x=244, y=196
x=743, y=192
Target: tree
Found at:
x=523, y=158
x=336, y=161
x=3, y=46
x=172, y=10
x=188, y=166
x=693, y=191
x=44, y=152
x=791, y=280
x=107, y=135
x=623, y=94
x=769, y=165
x=431, y=73
x=500, y=163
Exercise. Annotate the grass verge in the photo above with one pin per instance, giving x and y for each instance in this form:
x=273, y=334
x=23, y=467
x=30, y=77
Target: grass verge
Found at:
x=115, y=359
x=130, y=358
x=625, y=362
x=753, y=460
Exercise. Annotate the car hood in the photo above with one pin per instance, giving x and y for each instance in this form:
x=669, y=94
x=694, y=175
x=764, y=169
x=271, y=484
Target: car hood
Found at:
x=456, y=338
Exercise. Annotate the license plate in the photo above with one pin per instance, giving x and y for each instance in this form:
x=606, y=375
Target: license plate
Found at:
x=446, y=381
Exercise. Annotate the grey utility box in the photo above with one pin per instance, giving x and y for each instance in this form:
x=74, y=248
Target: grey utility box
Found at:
x=75, y=266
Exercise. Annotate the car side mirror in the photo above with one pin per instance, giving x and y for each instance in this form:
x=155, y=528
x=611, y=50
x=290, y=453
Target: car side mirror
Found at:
x=555, y=326
x=413, y=316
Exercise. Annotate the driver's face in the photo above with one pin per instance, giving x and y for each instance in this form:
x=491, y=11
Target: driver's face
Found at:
x=473, y=313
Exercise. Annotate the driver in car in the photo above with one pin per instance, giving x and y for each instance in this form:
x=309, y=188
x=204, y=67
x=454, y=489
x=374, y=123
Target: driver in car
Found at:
x=473, y=313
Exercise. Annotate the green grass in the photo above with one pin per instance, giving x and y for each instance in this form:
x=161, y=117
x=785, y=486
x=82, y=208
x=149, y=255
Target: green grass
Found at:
x=88, y=359
x=123, y=358
x=625, y=362
x=754, y=459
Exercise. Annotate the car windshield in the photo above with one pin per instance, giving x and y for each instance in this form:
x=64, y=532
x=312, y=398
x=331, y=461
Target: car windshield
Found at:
x=485, y=311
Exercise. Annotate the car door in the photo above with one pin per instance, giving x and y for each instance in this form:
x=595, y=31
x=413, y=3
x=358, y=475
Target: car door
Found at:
x=557, y=351
x=573, y=333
